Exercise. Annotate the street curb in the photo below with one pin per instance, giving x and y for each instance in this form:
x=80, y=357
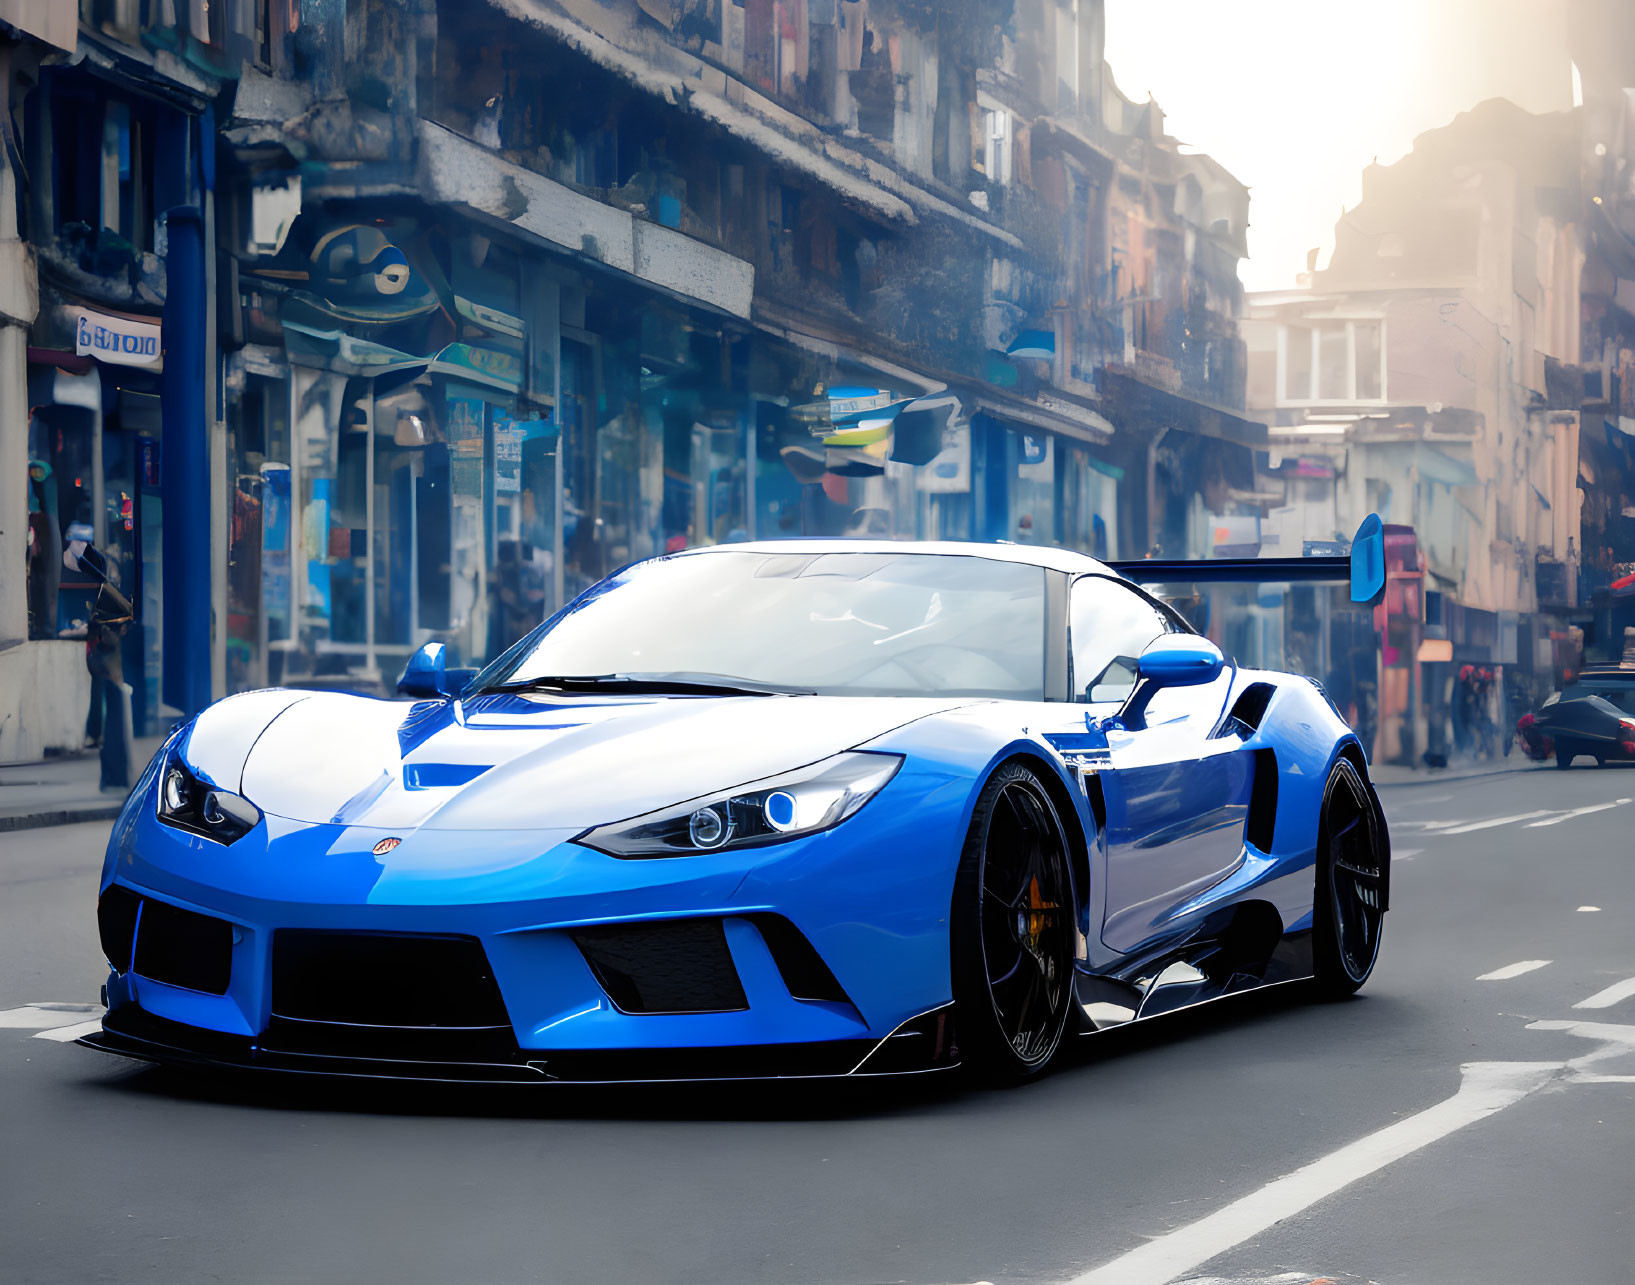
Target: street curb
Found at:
x=1435, y=776
x=62, y=816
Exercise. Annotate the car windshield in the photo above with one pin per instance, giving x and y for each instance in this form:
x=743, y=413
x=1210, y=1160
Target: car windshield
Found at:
x=847, y=624
x=1620, y=694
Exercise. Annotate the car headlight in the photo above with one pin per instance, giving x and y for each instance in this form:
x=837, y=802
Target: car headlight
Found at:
x=779, y=808
x=189, y=804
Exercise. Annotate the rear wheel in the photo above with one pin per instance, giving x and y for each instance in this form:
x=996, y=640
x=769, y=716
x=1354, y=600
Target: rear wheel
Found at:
x=1348, y=915
x=1011, y=929
x=1564, y=758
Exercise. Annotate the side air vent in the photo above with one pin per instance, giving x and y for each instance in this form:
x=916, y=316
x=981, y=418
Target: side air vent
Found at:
x=801, y=967
x=1250, y=706
x=1259, y=828
x=670, y=966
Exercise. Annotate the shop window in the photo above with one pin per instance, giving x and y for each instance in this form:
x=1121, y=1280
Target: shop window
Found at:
x=1031, y=474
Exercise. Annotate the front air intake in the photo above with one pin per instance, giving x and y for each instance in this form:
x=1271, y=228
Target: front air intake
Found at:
x=384, y=979
x=669, y=966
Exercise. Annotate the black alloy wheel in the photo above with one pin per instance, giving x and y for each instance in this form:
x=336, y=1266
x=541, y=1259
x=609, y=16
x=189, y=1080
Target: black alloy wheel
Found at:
x=1011, y=929
x=1348, y=916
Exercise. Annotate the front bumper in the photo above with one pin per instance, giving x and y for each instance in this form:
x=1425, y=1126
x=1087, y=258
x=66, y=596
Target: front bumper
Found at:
x=828, y=960
x=921, y=1046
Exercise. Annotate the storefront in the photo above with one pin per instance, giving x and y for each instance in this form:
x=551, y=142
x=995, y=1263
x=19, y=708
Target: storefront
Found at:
x=94, y=450
x=437, y=435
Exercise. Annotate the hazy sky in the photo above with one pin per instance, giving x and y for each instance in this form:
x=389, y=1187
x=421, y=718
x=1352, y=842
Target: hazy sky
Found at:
x=1295, y=97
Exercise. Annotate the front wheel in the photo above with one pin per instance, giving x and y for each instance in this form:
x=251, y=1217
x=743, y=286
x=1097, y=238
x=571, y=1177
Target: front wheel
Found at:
x=1564, y=759
x=1349, y=911
x=1011, y=929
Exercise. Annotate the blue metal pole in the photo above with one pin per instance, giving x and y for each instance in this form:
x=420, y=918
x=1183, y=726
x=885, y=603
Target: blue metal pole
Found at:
x=185, y=469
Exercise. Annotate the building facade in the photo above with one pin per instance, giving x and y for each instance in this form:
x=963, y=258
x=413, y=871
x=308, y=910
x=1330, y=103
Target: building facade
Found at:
x=495, y=296
x=1430, y=374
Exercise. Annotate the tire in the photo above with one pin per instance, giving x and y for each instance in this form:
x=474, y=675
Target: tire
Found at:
x=1347, y=920
x=1011, y=929
x=1564, y=759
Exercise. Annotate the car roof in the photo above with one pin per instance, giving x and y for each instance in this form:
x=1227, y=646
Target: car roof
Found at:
x=1037, y=555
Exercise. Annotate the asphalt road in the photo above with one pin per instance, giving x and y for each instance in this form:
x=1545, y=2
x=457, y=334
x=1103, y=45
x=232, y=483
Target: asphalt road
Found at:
x=1151, y=1154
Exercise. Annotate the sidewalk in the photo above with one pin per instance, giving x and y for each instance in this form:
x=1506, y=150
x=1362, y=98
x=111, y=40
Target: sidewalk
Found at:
x=63, y=791
x=1397, y=774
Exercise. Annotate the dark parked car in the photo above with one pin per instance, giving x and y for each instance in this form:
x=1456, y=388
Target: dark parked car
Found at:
x=1594, y=717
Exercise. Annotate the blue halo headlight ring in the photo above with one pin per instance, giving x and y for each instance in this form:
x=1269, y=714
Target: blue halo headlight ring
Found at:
x=779, y=809
x=773, y=810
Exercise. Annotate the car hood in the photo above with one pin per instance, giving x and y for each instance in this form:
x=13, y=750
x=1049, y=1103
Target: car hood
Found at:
x=510, y=761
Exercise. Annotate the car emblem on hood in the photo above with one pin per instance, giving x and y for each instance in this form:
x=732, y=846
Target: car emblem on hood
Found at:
x=386, y=845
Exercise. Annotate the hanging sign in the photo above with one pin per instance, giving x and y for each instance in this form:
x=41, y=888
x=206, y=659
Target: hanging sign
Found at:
x=117, y=340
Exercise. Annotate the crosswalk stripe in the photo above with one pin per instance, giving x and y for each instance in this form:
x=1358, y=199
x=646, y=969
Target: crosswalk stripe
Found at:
x=1513, y=970
x=34, y=1017
x=1613, y=994
x=68, y=1034
x=1576, y=812
x=1493, y=821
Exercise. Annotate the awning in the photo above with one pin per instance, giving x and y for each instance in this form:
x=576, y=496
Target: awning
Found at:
x=1140, y=407
x=1435, y=466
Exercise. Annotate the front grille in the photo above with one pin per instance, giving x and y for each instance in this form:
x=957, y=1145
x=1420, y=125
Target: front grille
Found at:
x=672, y=966
x=384, y=979
x=182, y=948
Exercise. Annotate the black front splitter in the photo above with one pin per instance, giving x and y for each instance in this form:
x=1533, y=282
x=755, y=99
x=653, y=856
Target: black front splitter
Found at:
x=920, y=1046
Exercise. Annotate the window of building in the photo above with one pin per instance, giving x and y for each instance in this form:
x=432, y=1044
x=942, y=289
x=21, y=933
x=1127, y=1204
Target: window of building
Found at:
x=1111, y=624
x=997, y=146
x=1067, y=53
x=118, y=18
x=1333, y=361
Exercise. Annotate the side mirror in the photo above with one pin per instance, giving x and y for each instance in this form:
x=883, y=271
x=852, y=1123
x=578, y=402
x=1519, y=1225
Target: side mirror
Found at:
x=1368, y=560
x=427, y=676
x=1180, y=660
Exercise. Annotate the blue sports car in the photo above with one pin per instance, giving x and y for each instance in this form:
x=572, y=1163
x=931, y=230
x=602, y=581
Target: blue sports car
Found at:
x=809, y=808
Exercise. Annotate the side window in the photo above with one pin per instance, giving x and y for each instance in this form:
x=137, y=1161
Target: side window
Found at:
x=1111, y=624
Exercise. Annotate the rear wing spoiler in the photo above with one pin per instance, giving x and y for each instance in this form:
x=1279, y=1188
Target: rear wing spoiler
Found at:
x=1364, y=569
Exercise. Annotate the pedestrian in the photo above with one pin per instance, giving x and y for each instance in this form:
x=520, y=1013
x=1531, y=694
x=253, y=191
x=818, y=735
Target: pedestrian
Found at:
x=44, y=534
x=111, y=615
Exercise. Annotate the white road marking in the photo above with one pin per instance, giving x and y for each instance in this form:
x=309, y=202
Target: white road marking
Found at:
x=1616, y=1043
x=1568, y=816
x=1484, y=1088
x=35, y=1017
x=1613, y=994
x=1405, y=854
x=1488, y=824
x=1513, y=970
x=1408, y=803
x=68, y=1034
x=1589, y=910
